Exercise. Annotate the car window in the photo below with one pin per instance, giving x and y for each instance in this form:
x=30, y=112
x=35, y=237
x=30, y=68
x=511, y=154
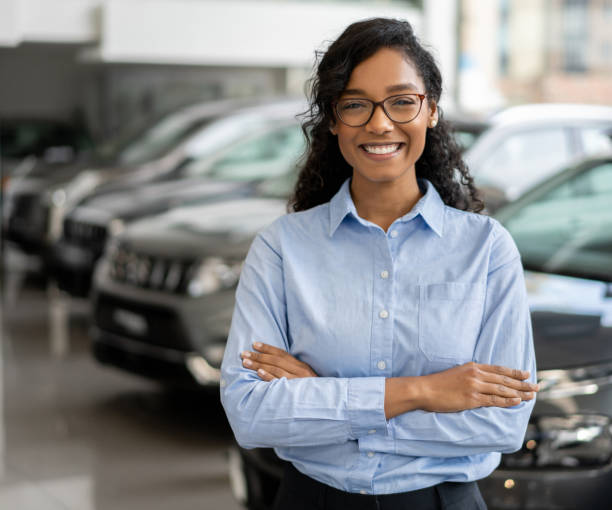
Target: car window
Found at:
x=569, y=229
x=159, y=139
x=520, y=160
x=465, y=139
x=271, y=154
x=596, y=140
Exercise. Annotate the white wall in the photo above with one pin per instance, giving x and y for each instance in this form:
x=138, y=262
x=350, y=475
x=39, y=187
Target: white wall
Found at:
x=231, y=32
x=56, y=21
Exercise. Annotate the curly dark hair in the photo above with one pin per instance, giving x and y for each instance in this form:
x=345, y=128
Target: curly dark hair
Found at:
x=325, y=169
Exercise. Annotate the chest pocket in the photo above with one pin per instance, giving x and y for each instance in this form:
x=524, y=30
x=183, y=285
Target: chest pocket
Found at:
x=450, y=315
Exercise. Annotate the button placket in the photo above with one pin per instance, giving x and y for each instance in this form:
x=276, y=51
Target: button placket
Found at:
x=382, y=332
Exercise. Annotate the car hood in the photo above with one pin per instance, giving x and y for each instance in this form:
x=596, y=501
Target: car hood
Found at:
x=138, y=201
x=572, y=320
x=223, y=229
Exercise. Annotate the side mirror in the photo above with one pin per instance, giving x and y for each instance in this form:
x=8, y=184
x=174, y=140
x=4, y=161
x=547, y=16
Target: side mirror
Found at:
x=59, y=154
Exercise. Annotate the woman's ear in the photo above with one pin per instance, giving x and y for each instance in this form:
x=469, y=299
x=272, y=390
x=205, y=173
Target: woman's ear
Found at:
x=332, y=129
x=433, y=114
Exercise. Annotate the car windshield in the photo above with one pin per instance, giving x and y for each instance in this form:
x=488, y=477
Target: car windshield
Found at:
x=566, y=228
x=521, y=159
x=151, y=142
x=271, y=154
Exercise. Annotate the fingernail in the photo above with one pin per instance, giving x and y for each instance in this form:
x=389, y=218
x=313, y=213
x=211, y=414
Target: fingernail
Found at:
x=246, y=354
x=247, y=362
x=257, y=345
x=261, y=371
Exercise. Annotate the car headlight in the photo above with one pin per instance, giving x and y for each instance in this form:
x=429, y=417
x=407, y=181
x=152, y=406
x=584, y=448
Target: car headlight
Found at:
x=58, y=197
x=115, y=227
x=214, y=353
x=573, y=382
x=572, y=441
x=213, y=274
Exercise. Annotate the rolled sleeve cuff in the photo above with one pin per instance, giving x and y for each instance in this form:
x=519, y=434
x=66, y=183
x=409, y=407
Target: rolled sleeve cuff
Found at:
x=366, y=406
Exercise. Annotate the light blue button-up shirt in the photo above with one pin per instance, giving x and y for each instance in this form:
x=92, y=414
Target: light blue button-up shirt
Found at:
x=440, y=288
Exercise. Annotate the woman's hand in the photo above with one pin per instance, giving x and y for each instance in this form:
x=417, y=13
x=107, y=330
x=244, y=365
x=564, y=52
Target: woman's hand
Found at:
x=273, y=363
x=476, y=385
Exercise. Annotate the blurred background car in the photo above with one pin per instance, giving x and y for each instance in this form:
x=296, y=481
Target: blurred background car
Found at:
x=37, y=202
x=163, y=293
x=526, y=144
x=239, y=160
x=563, y=229
x=26, y=141
x=48, y=139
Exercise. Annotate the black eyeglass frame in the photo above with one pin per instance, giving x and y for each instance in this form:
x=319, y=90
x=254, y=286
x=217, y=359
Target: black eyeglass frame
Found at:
x=382, y=105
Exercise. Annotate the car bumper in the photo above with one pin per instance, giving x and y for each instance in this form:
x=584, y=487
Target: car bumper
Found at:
x=161, y=364
x=160, y=335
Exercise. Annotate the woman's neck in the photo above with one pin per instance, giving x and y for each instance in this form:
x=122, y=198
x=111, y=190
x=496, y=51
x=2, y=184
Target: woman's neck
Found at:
x=383, y=202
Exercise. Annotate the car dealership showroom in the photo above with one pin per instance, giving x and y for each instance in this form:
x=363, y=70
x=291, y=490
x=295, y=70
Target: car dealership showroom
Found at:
x=143, y=146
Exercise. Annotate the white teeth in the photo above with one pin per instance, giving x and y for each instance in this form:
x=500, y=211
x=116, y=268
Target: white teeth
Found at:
x=381, y=149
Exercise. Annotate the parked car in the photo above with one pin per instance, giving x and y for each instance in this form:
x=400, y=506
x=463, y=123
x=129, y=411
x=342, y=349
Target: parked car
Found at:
x=46, y=139
x=526, y=144
x=563, y=229
x=163, y=292
x=37, y=203
x=206, y=179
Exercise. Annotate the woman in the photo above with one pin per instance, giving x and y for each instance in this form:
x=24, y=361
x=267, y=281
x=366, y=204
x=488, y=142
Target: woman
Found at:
x=374, y=326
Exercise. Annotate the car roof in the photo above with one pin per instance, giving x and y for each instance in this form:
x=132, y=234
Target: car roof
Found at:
x=538, y=112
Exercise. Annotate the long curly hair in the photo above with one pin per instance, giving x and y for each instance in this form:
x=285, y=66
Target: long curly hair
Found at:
x=324, y=168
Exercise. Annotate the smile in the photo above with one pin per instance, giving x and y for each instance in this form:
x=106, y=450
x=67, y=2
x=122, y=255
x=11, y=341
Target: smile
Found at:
x=381, y=149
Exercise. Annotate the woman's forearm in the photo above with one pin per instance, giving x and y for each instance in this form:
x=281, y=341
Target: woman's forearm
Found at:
x=457, y=389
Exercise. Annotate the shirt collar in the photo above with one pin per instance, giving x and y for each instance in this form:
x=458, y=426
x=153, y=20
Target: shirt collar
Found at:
x=430, y=207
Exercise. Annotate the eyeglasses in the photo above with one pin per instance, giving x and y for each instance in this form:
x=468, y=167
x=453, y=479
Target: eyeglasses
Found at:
x=402, y=108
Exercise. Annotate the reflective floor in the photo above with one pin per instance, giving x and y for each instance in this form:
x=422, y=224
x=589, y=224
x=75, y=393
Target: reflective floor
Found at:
x=76, y=435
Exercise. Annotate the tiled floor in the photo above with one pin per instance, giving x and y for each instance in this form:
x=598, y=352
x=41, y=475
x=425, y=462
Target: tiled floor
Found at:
x=75, y=435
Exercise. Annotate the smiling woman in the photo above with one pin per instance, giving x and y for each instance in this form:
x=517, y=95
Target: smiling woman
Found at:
x=381, y=340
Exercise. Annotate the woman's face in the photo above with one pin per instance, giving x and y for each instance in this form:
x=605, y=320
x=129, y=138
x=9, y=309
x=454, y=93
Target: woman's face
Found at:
x=386, y=73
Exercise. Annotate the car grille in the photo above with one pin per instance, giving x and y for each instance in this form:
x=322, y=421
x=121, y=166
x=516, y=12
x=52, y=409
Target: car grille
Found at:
x=29, y=208
x=85, y=234
x=162, y=325
x=151, y=271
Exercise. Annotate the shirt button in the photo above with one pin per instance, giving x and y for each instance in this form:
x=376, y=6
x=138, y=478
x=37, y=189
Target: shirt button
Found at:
x=362, y=492
x=381, y=365
x=373, y=431
x=370, y=454
x=383, y=314
x=384, y=274
x=393, y=234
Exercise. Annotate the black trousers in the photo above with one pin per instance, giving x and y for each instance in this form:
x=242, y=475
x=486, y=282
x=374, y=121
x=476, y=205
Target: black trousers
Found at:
x=300, y=492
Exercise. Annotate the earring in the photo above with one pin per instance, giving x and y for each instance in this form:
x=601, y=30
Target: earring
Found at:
x=433, y=123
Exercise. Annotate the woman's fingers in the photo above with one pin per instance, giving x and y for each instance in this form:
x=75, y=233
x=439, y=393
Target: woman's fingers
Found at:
x=499, y=390
x=275, y=357
x=514, y=373
x=269, y=349
x=497, y=401
x=508, y=377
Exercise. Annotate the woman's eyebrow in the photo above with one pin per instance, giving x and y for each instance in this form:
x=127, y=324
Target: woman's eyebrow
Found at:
x=400, y=87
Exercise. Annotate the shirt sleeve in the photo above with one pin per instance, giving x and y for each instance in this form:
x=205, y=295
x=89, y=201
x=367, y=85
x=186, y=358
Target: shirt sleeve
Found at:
x=505, y=339
x=296, y=412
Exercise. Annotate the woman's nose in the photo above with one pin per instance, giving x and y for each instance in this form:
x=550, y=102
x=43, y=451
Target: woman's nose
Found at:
x=379, y=123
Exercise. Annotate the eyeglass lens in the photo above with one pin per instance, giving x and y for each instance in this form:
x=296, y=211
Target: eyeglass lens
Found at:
x=357, y=112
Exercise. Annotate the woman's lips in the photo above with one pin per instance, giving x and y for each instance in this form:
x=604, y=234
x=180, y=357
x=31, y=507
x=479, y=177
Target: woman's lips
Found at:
x=380, y=151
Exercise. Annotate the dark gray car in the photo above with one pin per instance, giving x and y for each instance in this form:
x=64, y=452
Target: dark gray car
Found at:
x=257, y=155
